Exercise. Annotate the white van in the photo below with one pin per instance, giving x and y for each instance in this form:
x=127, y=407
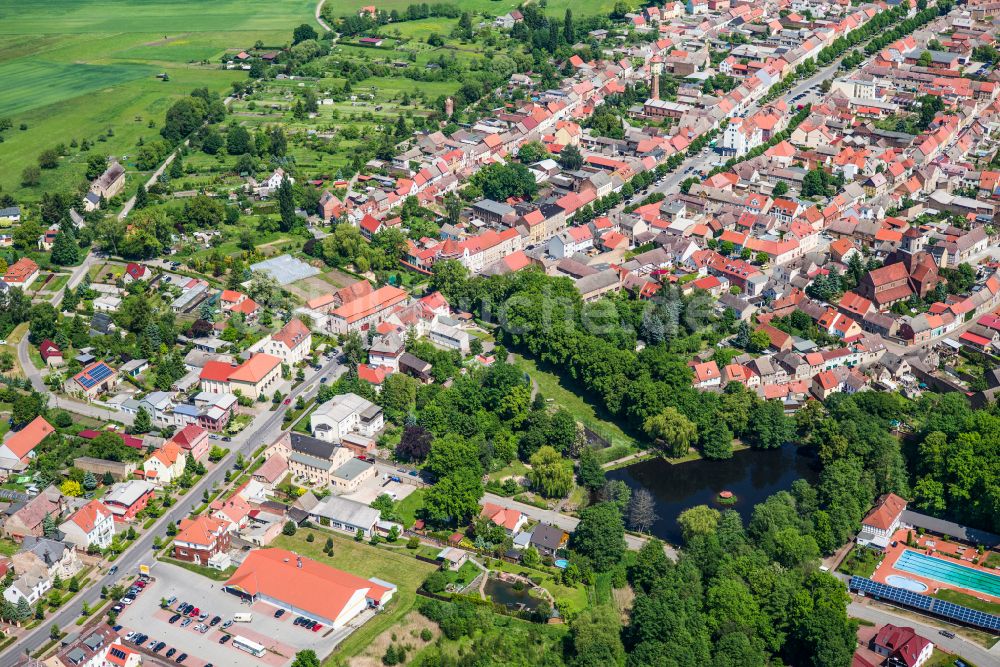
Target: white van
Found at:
x=243, y=617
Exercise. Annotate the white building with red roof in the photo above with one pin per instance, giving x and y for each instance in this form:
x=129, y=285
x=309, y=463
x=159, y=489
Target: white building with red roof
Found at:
x=260, y=375
x=902, y=646
x=879, y=525
x=292, y=344
x=510, y=520
x=306, y=587
x=20, y=445
x=93, y=525
x=194, y=440
x=707, y=375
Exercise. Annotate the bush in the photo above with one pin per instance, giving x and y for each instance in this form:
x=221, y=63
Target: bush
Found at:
x=426, y=634
x=309, y=537
x=413, y=543
x=289, y=528
x=436, y=582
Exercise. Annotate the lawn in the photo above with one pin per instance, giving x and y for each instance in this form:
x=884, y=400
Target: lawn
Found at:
x=966, y=600
x=552, y=387
x=408, y=506
x=365, y=560
x=861, y=562
x=72, y=69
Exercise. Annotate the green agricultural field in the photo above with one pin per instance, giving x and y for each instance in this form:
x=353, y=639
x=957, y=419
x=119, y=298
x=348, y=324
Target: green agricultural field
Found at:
x=491, y=7
x=75, y=69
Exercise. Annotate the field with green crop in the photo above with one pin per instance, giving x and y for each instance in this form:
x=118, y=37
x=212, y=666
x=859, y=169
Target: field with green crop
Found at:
x=75, y=69
x=492, y=7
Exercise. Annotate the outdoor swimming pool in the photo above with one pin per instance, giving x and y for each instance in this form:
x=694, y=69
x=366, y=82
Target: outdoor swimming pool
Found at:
x=954, y=574
x=899, y=581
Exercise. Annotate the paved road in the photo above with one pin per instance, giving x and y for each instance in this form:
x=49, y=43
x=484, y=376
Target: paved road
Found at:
x=560, y=520
x=264, y=429
x=958, y=645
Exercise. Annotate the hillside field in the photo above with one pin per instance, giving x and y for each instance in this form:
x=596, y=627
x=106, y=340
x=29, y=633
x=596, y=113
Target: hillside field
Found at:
x=74, y=69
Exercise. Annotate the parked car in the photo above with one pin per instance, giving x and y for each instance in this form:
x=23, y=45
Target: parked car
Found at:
x=227, y=624
x=113, y=571
x=153, y=642
x=194, y=611
x=215, y=621
x=946, y=633
x=202, y=616
x=127, y=600
x=186, y=622
x=182, y=657
x=175, y=618
x=171, y=651
x=317, y=627
x=279, y=613
x=172, y=599
x=223, y=639
x=159, y=647
x=118, y=608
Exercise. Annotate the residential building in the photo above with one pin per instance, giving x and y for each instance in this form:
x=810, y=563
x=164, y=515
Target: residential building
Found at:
x=165, y=465
x=21, y=273
x=127, y=499
x=510, y=520
x=343, y=414
x=292, y=344
x=96, y=379
x=91, y=526
x=203, y=540
x=20, y=445
x=259, y=376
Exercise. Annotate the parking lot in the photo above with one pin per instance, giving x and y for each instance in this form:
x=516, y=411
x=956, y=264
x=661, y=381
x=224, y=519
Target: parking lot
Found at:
x=280, y=636
x=376, y=486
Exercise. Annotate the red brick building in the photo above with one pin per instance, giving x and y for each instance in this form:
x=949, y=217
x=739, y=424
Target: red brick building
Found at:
x=200, y=539
x=887, y=285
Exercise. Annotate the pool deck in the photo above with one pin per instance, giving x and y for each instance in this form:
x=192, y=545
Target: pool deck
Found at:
x=932, y=546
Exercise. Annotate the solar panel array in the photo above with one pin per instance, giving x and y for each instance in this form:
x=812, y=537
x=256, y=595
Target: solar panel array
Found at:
x=926, y=603
x=95, y=375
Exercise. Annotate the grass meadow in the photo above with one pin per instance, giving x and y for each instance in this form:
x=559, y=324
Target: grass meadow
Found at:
x=73, y=69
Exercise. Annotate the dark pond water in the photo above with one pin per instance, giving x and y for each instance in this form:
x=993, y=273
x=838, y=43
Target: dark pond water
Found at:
x=752, y=475
x=505, y=593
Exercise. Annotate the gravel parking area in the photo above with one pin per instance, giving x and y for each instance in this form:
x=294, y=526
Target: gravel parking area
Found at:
x=281, y=637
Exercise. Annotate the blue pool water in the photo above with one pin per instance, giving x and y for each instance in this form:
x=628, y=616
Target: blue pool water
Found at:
x=946, y=572
x=899, y=581
x=561, y=563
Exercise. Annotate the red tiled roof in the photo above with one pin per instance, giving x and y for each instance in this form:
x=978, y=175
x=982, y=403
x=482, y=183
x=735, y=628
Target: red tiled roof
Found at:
x=22, y=442
x=886, y=511
x=314, y=587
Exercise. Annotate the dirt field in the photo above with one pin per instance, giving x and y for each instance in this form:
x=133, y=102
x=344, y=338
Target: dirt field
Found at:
x=406, y=633
x=310, y=288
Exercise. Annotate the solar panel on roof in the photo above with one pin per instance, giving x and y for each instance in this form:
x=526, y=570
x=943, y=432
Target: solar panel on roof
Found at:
x=926, y=603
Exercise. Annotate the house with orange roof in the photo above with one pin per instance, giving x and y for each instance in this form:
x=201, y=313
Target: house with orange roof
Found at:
x=164, y=465
x=366, y=312
x=374, y=375
x=879, y=525
x=510, y=520
x=258, y=376
x=93, y=525
x=230, y=299
x=292, y=344
x=706, y=375
x=248, y=308
x=300, y=585
x=20, y=445
x=204, y=540
x=235, y=512
x=194, y=440
x=21, y=273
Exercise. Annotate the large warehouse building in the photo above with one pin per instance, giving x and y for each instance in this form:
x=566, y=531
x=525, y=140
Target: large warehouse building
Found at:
x=305, y=587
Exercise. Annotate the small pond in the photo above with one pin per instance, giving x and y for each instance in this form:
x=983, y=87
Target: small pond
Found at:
x=751, y=475
x=506, y=594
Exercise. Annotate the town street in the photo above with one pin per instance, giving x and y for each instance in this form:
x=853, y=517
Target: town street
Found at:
x=264, y=429
x=957, y=645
